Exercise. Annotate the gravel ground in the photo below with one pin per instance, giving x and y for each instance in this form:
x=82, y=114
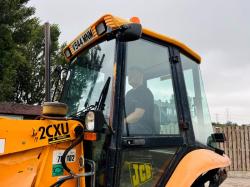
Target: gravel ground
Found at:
x=236, y=182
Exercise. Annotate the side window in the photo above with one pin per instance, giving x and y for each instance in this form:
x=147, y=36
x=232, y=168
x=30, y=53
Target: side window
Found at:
x=150, y=107
x=197, y=100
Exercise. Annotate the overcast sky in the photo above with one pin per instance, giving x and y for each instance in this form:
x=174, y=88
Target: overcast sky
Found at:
x=219, y=30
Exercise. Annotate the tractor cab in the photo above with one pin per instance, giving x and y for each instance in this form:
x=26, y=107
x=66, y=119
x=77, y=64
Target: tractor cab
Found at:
x=143, y=95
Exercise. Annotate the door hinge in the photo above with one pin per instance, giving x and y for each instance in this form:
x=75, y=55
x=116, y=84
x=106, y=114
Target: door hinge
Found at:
x=184, y=125
x=174, y=59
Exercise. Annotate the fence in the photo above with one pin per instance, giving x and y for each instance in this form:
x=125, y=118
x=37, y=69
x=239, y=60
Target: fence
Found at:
x=237, y=146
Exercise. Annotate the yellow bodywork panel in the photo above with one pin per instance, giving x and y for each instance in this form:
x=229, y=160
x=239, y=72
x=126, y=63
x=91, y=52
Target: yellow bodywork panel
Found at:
x=90, y=35
x=194, y=164
x=22, y=135
x=31, y=152
x=19, y=169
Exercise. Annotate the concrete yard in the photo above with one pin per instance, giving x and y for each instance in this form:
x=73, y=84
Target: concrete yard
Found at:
x=236, y=179
x=236, y=182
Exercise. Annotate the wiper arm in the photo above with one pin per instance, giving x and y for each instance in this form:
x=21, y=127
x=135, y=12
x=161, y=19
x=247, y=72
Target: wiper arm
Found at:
x=100, y=104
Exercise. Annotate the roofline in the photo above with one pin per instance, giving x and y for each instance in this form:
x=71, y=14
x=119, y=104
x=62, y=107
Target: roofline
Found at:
x=173, y=41
x=115, y=22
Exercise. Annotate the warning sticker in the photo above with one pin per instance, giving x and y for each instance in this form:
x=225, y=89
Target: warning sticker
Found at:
x=2, y=145
x=57, y=155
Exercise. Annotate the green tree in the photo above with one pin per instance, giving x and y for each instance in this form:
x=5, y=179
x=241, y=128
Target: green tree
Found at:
x=35, y=87
x=21, y=53
x=14, y=32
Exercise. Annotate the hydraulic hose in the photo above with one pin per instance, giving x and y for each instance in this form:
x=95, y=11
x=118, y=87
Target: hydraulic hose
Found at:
x=79, y=135
x=79, y=139
x=62, y=180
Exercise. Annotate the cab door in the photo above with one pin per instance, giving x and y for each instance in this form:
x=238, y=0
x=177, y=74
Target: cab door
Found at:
x=150, y=135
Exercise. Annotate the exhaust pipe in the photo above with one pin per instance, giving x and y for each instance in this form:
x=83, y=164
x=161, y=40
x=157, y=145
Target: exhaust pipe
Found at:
x=47, y=62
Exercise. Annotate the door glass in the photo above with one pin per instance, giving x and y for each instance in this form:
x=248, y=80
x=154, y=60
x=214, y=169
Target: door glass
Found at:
x=144, y=167
x=150, y=107
x=197, y=100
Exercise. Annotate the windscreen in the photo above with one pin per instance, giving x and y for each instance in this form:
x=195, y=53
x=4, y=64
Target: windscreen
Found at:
x=87, y=75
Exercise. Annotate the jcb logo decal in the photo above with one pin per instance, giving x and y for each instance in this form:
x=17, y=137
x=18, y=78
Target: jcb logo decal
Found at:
x=140, y=173
x=55, y=132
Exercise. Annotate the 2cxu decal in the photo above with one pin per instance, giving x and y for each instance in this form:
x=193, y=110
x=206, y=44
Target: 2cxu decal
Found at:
x=55, y=132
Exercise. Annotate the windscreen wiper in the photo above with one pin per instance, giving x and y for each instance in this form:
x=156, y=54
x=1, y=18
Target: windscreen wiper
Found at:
x=100, y=104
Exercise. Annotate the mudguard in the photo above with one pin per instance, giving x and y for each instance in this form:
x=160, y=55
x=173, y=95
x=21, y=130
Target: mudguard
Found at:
x=194, y=164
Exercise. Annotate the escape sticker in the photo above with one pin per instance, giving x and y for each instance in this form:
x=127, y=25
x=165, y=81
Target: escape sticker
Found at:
x=2, y=145
x=140, y=173
x=57, y=155
x=57, y=170
x=55, y=132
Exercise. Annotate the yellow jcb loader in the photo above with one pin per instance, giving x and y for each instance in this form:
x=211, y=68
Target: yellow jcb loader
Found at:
x=106, y=130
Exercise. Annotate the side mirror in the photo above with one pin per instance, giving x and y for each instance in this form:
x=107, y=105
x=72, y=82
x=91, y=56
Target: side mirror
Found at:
x=94, y=121
x=130, y=32
x=218, y=137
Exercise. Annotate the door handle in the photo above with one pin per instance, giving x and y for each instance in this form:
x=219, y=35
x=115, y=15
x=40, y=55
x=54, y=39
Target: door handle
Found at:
x=131, y=142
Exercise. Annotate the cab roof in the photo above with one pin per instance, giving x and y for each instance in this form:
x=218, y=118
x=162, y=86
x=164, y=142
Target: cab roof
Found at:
x=90, y=35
